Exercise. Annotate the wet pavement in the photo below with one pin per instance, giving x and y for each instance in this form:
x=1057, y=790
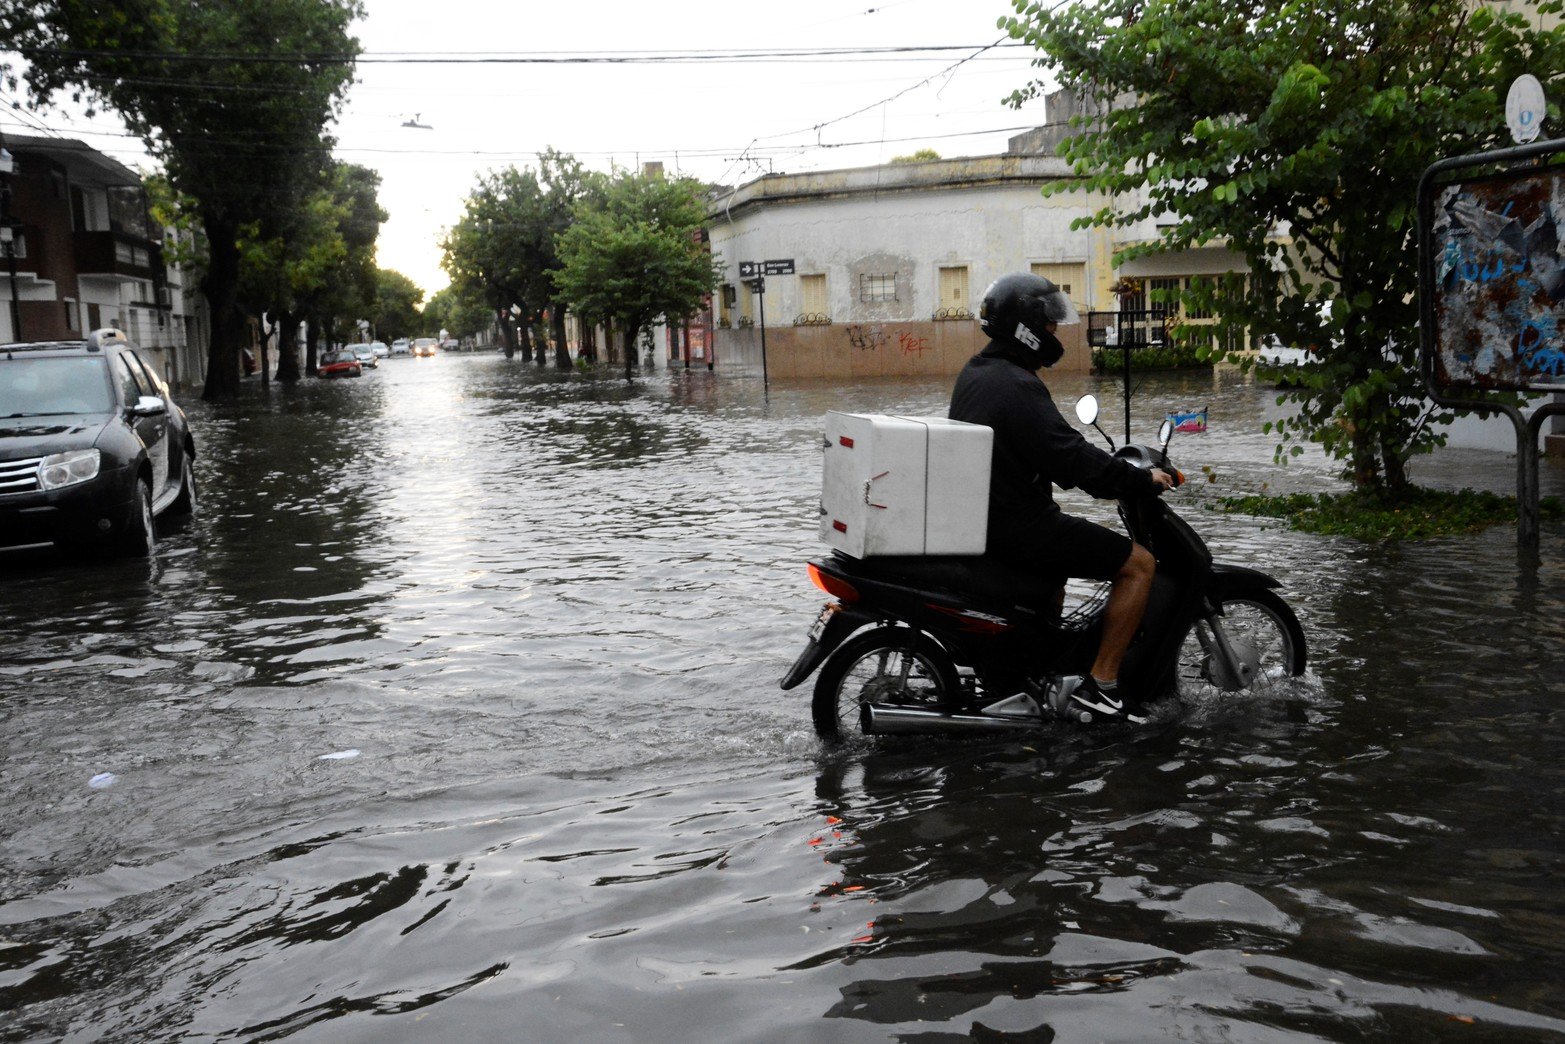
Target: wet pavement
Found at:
x=454, y=716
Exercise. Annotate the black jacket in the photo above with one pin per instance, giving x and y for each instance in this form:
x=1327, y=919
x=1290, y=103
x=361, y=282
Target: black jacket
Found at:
x=1033, y=446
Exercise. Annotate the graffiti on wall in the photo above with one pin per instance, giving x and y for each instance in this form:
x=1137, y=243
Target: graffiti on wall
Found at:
x=1500, y=282
x=869, y=338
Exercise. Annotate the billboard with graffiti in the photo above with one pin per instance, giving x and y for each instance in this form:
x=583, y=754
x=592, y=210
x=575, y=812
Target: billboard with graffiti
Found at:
x=1498, y=278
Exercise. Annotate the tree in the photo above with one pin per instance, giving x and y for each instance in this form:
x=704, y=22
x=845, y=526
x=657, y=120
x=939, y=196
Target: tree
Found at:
x=636, y=254
x=231, y=96
x=566, y=185
x=347, y=288
x=395, y=311
x=917, y=156
x=1296, y=133
x=505, y=245
x=460, y=315
x=492, y=251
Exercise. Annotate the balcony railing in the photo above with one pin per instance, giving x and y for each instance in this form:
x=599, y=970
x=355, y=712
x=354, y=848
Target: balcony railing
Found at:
x=118, y=254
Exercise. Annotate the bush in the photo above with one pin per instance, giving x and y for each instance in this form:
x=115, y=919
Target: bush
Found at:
x=1412, y=514
x=1172, y=357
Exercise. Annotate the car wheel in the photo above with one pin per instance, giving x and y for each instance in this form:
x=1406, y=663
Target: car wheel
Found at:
x=185, y=503
x=139, y=537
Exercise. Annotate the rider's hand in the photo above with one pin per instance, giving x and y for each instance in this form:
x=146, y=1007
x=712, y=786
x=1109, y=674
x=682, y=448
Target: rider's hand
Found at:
x=1164, y=480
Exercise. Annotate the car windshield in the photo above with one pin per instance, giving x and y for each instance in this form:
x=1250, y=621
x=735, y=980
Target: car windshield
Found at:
x=52, y=387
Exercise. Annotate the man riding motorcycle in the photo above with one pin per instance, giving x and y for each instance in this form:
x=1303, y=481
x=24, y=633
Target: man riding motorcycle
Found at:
x=1034, y=447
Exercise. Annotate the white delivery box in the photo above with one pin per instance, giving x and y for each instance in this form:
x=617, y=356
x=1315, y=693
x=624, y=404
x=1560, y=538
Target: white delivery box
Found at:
x=905, y=485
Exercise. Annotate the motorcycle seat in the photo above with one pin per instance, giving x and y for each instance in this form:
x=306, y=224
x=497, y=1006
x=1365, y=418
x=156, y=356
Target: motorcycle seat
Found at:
x=970, y=576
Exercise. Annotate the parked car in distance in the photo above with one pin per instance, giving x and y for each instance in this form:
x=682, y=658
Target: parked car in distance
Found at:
x=380, y=349
x=366, y=356
x=340, y=363
x=424, y=346
x=92, y=446
x=402, y=346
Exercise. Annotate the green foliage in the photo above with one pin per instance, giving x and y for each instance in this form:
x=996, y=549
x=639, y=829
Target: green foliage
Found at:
x=1412, y=513
x=395, y=311
x=1295, y=133
x=1173, y=357
x=919, y=156
x=504, y=250
x=636, y=253
x=461, y=315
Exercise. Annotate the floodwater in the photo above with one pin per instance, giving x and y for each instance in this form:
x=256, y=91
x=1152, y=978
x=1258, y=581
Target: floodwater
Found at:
x=454, y=717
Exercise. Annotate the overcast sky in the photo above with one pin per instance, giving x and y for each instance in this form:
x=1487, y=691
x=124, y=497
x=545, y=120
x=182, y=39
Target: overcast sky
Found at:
x=722, y=121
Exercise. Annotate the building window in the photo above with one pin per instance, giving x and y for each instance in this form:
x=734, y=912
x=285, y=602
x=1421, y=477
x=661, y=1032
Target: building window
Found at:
x=725, y=304
x=878, y=287
x=1164, y=294
x=953, y=288
x=1070, y=278
x=72, y=319
x=812, y=294
x=1198, y=282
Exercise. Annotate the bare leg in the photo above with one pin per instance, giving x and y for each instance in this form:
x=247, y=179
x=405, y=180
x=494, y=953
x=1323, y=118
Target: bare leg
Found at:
x=1122, y=615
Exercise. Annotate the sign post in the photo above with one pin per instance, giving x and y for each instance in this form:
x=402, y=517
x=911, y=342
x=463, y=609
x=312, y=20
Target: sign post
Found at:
x=1491, y=295
x=753, y=274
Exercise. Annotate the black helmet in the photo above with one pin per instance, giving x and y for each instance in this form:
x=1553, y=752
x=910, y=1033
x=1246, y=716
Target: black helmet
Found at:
x=1016, y=308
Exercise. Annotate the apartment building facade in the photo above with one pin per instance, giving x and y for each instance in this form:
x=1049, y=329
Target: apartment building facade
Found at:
x=85, y=254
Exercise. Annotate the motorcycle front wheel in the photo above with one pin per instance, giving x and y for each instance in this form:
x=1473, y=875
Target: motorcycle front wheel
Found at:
x=892, y=665
x=1251, y=646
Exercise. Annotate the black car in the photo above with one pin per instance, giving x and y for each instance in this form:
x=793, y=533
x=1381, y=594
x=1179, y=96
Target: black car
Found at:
x=92, y=447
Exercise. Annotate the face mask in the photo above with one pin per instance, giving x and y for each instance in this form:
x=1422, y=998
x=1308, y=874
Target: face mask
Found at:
x=1049, y=348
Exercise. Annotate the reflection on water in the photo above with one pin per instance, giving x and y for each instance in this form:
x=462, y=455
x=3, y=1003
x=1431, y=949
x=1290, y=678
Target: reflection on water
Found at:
x=548, y=612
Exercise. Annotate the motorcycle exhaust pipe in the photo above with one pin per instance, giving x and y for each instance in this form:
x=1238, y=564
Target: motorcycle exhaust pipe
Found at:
x=1015, y=712
x=879, y=719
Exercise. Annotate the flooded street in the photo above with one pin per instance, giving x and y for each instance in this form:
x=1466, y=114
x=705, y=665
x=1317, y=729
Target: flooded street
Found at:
x=454, y=717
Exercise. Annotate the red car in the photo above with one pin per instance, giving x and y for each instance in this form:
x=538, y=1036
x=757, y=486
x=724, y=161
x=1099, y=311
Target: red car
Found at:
x=341, y=363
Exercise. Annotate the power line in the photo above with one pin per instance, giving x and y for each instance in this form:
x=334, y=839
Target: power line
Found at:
x=710, y=152
x=647, y=57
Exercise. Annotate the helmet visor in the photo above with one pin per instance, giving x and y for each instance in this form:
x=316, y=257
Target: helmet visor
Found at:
x=1059, y=309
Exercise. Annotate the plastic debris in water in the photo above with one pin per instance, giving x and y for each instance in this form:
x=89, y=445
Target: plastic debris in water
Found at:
x=340, y=755
x=101, y=780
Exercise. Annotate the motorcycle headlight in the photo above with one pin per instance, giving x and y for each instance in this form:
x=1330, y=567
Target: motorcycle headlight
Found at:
x=67, y=469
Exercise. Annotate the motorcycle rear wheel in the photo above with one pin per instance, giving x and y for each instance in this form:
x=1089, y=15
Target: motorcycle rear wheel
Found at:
x=1266, y=636
x=894, y=665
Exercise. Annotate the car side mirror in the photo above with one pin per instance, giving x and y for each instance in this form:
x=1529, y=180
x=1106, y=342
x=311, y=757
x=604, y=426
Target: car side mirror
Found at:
x=149, y=406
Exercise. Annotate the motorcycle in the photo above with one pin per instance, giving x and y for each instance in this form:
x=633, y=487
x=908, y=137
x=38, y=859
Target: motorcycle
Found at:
x=956, y=643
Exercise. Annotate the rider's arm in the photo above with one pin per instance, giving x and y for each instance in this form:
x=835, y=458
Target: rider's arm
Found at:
x=1068, y=460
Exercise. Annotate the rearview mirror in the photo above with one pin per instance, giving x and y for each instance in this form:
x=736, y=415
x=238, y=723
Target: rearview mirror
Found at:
x=1165, y=432
x=1087, y=409
x=148, y=406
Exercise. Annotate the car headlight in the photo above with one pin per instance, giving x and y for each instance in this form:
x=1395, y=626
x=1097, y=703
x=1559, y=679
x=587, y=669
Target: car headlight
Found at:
x=67, y=469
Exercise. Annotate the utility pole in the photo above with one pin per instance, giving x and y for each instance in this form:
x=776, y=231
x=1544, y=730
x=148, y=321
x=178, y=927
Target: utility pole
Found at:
x=8, y=234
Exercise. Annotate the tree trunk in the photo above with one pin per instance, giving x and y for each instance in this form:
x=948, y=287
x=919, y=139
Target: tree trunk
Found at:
x=507, y=336
x=630, y=347
x=540, y=344
x=287, y=349
x=589, y=340
x=562, y=352
x=312, y=351
x=220, y=285
x=1393, y=465
x=525, y=336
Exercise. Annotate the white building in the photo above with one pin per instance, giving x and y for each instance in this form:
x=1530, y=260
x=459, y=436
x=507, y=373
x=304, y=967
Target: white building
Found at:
x=890, y=262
